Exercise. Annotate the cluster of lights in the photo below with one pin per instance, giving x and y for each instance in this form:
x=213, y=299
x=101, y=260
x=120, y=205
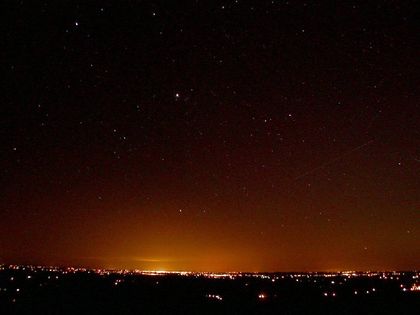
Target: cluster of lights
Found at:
x=117, y=282
x=393, y=275
x=214, y=297
x=328, y=281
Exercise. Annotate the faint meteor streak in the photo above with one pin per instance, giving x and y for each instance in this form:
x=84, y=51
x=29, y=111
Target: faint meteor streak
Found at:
x=342, y=156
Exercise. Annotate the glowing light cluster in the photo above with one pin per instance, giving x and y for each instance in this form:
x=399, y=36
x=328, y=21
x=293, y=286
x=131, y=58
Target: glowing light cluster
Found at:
x=214, y=297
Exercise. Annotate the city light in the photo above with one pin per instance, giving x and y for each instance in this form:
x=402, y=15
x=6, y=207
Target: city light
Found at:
x=215, y=297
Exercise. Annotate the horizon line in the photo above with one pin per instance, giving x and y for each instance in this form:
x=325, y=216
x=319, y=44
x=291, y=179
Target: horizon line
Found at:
x=162, y=271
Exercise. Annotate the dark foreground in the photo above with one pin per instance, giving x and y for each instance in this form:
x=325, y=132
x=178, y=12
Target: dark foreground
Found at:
x=42, y=290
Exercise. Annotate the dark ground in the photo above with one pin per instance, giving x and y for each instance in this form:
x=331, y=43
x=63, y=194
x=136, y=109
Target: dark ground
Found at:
x=39, y=291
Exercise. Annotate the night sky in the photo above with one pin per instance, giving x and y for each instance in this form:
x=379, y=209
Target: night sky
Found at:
x=210, y=135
